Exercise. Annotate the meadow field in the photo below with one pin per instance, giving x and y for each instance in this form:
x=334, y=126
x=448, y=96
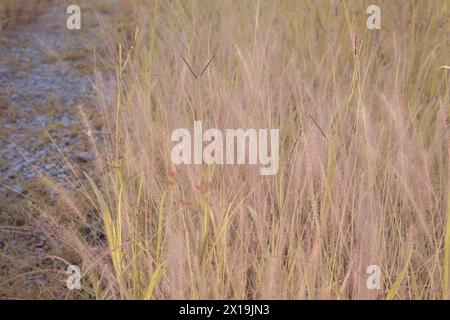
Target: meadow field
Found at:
x=362, y=184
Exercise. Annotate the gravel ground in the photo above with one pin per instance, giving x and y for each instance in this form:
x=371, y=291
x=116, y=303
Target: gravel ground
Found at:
x=45, y=74
x=40, y=91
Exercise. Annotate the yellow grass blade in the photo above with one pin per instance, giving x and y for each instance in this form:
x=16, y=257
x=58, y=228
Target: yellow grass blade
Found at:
x=112, y=230
x=156, y=277
x=392, y=293
x=447, y=247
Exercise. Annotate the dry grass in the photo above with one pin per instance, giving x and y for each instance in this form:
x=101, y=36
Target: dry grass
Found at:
x=17, y=12
x=363, y=173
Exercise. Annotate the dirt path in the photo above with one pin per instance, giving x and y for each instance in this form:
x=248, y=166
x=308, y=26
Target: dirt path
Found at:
x=45, y=73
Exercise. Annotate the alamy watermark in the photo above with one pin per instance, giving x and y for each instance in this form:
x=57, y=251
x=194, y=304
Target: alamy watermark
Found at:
x=73, y=21
x=374, y=20
x=74, y=279
x=374, y=278
x=229, y=148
